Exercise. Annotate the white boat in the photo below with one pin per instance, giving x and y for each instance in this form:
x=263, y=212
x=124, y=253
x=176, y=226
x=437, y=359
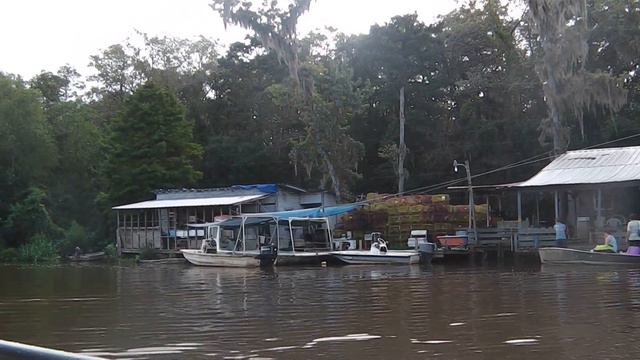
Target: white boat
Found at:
x=300, y=239
x=378, y=254
x=285, y=237
x=215, y=251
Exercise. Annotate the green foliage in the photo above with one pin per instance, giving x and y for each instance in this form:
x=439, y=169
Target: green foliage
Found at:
x=319, y=111
x=151, y=147
x=8, y=255
x=27, y=150
x=111, y=251
x=38, y=249
x=29, y=217
x=76, y=236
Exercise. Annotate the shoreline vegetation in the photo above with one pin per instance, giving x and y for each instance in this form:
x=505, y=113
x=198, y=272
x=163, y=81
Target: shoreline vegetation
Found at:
x=350, y=114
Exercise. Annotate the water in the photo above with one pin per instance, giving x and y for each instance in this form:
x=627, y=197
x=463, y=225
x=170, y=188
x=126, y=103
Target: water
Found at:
x=356, y=312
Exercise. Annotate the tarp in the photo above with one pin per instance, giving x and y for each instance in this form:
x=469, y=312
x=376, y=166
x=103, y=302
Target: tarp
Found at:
x=265, y=188
x=310, y=213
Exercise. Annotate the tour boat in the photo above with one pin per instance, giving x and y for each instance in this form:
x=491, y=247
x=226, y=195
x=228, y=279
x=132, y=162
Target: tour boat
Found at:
x=555, y=255
x=216, y=251
x=378, y=254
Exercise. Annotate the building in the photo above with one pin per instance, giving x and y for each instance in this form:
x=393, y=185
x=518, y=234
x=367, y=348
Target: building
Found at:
x=588, y=190
x=162, y=223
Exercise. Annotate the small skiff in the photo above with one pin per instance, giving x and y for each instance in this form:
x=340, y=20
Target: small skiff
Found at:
x=554, y=255
x=87, y=257
x=198, y=257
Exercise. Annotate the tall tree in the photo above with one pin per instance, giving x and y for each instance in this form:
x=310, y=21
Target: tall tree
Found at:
x=151, y=147
x=570, y=89
x=276, y=29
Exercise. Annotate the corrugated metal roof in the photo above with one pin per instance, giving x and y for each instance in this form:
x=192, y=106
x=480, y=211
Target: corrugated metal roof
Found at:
x=212, y=201
x=594, y=166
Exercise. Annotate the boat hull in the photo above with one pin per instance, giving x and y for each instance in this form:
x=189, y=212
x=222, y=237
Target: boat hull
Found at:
x=88, y=257
x=553, y=255
x=196, y=257
x=301, y=258
x=365, y=257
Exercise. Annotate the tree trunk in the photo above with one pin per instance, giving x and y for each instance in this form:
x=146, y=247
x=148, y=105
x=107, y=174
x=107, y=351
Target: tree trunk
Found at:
x=335, y=182
x=402, y=149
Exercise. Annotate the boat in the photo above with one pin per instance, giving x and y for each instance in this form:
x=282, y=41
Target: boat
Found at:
x=291, y=237
x=96, y=256
x=377, y=254
x=302, y=237
x=556, y=255
x=219, y=249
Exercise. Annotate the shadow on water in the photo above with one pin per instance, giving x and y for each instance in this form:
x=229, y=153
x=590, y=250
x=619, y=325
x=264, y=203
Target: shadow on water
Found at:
x=508, y=309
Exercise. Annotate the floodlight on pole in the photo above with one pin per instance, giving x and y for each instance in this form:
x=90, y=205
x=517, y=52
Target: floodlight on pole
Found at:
x=472, y=208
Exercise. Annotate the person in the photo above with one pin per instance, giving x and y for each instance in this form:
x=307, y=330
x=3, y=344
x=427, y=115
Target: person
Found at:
x=561, y=233
x=610, y=243
x=633, y=235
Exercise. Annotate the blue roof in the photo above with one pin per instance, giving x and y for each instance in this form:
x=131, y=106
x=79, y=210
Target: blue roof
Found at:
x=265, y=188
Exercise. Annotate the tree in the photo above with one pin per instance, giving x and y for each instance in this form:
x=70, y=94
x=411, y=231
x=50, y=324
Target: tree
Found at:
x=151, y=146
x=569, y=88
x=27, y=150
x=276, y=29
x=402, y=61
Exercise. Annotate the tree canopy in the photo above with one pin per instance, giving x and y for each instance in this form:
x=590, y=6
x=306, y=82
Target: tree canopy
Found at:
x=323, y=110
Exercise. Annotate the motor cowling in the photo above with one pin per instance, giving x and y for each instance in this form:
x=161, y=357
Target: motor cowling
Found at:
x=268, y=254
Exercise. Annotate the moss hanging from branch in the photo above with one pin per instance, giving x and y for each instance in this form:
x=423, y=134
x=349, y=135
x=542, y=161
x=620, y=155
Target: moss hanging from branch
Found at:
x=569, y=89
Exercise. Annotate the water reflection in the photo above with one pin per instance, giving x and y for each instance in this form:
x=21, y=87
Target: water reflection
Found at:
x=181, y=311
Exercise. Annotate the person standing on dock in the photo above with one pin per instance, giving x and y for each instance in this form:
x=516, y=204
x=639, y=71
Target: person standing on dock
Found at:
x=561, y=233
x=633, y=235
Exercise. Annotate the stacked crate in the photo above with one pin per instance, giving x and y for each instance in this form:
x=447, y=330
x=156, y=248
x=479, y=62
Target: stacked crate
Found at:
x=395, y=217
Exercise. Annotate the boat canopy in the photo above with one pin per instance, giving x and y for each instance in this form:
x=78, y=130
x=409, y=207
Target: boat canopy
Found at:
x=307, y=213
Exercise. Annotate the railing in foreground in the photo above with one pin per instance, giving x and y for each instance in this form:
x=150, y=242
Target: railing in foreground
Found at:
x=16, y=351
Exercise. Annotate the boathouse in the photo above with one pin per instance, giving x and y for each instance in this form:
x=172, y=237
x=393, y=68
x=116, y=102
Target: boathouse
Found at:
x=588, y=190
x=163, y=222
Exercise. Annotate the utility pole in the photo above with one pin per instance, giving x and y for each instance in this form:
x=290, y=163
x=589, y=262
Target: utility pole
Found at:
x=402, y=148
x=472, y=207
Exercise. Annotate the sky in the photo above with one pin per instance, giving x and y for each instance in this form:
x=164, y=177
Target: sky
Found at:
x=38, y=35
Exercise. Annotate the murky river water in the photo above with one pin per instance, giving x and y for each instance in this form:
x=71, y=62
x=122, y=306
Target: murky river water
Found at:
x=355, y=312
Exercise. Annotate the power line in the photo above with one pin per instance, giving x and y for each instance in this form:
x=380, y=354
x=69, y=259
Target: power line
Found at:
x=524, y=162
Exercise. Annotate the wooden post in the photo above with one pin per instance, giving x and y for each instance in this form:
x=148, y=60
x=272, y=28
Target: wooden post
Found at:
x=556, y=204
x=146, y=233
x=599, y=206
x=118, y=238
x=537, y=208
x=131, y=228
x=138, y=228
x=519, y=209
x=488, y=210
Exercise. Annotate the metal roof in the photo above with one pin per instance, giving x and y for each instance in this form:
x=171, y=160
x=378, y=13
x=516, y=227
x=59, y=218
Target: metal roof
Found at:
x=595, y=166
x=174, y=203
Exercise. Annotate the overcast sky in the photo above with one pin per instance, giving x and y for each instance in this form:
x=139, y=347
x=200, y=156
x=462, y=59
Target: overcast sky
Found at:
x=46, y=34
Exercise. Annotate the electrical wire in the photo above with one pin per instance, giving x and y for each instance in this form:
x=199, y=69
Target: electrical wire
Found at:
x=524, y=162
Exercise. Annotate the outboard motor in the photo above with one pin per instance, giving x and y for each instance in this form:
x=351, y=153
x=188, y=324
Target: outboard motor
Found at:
x=425, y=250
x=268, y=254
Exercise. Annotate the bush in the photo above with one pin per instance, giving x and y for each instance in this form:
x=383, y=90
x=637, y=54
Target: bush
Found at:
x=111, y=251
x=75, y=236
x=39, y=248
x=8, y=255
